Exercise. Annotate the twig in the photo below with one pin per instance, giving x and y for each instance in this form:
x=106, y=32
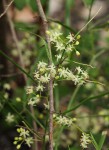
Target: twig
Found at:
x=6, y=9
x=15, y=39
x=51, y=99
x=88, y=21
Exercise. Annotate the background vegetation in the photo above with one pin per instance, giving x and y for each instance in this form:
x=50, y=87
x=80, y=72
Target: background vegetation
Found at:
x=20, y=50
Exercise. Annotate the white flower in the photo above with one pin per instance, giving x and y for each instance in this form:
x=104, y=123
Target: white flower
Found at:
x=10, y=118
x=69, y=48
x=29, y=141
x=34, y=100
x=85, y=140
x=59, y=46
x=70, y=37
x=79, y=70
x=63, y=72
x=36, y=75
x=46, y=106
x=42, y=65
x=54, y=36
x=24, y=133
x=52, y=69
x=76, y=80
x=85, y=74
x=29, y=89
x=40, y=88
x=44, y=78
x=58, y=57
x=70, y=75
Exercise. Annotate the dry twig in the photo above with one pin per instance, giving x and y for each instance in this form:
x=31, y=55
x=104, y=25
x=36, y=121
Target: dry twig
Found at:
x=5, y=11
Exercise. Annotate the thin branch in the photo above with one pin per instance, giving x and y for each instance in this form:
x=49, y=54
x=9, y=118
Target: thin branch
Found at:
x=5, y=11
x=51, y=99
x=88, y=21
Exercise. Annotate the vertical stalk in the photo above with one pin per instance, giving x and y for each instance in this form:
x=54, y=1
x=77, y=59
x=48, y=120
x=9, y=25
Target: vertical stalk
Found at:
x=51, y=98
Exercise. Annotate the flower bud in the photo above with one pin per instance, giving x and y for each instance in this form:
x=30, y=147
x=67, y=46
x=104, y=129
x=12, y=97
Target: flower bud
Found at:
x=18, y=146
x=77, y=53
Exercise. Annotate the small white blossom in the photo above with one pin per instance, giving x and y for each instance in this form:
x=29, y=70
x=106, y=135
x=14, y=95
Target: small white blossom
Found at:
x=70, y=37
x=24, y=133
x=42, y=65
x=46, y=106
x=58, y=57
x=44, y=78
x=76, y=80
x=63, y=72
x=59, y=46
x=29, y=141
x=85, y=140
x=85, y=74
x=40, y=88
x=34, y=100
x=29, y=89
x=52, y=69
x=70, y=75
x=79, y=70
x=69, y=48
x=36, y=75
x=55, y=36
x=10, y=118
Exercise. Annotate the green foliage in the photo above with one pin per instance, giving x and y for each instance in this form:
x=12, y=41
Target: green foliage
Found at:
x=21, y=4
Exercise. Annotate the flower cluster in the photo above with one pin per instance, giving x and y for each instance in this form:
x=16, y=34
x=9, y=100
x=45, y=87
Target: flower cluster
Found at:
x=24, y=137
x=57, y=71
x=66, y=45
x=85, y=140
x=62, y=120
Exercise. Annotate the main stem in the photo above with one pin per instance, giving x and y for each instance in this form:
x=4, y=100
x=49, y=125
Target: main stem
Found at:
x=51, y=99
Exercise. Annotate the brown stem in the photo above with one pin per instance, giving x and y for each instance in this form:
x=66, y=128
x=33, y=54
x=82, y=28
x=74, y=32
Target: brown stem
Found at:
x=15, y=39
x=5, y=11
x=51, y=99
